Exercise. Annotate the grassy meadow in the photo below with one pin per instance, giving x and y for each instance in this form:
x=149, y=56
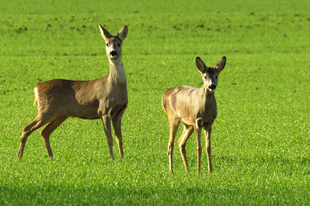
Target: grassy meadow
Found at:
x=260, y=139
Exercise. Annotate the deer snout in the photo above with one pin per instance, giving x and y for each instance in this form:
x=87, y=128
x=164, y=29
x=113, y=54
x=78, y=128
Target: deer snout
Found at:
x=113, y=53
x=212, y=87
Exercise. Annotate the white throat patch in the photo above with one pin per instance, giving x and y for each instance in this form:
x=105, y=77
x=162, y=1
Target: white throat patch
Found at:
x=120, y=74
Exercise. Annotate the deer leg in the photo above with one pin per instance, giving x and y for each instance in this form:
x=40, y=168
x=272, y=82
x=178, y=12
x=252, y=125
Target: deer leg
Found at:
x=187, y=132
x=107, y=129
x=27, y=130
x=47, y=130
x=174, y=124
x=199, y=150
x=117, y=122
x=207, y=132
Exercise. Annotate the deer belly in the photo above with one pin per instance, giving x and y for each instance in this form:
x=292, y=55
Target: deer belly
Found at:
x=85, y=112
x=186, y=118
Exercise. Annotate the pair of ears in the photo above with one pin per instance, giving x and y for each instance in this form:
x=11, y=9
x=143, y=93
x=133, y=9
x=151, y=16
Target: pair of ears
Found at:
x=219, y=66
x=106, y=35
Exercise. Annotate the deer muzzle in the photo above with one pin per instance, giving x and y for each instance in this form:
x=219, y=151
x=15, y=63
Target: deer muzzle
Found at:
x=113, y=54
x=212, y=87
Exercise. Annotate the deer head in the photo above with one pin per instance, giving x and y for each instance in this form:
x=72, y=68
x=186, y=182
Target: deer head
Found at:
x=114, y=43
x=210, y=74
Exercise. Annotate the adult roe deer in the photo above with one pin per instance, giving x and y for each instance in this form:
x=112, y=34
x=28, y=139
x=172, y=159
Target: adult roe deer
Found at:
x=104, y=98
x=195, y=108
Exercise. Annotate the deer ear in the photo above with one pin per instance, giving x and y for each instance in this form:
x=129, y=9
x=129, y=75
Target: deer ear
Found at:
x=200, y=65
x=123, y=33
x=221, y=64
x=104, y=33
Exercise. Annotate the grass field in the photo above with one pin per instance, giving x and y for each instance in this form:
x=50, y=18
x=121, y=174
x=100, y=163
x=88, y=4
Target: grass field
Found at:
x=260, y=139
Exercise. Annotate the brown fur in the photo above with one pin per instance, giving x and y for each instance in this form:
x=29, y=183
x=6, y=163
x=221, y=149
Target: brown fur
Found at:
x=104, y=98
x=195, y=108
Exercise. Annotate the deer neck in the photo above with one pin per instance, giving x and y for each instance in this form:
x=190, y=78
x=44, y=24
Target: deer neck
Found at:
x=206, y=96
x=117, y=71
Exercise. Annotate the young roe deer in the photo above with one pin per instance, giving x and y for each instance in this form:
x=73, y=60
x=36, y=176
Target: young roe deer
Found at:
x=104, y=98
x=195, y=108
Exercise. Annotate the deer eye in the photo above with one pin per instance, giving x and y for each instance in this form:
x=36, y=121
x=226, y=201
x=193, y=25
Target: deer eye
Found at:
x=107, y=44
x=216, y=77
x=118, y=44
x=206, y=77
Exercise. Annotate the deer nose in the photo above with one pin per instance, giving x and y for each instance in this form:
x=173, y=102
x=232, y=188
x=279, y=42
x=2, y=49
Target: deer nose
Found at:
x=113, y=53
x=212, y=86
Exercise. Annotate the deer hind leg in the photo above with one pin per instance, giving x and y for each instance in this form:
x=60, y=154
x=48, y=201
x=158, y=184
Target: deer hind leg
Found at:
x=174, y=124
x=106, y=119
x=187, y=132
x=47, y=130
x=27, y=130
x=117, y=122
x=207, y=133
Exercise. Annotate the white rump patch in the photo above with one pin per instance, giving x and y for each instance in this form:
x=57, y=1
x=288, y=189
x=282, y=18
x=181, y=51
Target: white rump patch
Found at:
x=36, y=96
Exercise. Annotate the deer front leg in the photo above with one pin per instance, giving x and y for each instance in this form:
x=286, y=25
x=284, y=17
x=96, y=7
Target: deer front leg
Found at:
x=187, y=132
x=207, y=132
x=117, y=122
x=107, y=129
x=174, y=124
x=199, y=150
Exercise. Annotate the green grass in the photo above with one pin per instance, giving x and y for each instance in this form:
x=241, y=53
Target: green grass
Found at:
x=260, y=139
